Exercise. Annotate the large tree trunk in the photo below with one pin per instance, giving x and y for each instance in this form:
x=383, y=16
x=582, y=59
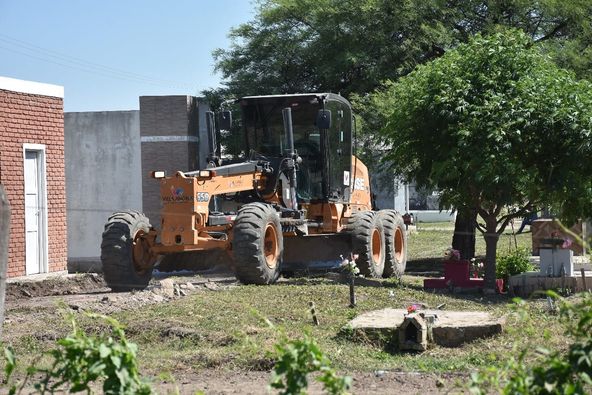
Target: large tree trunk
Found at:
x=464, y=232
x=491, y=239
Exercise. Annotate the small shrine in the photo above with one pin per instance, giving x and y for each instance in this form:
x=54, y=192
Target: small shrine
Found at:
x=413, y=333
x=457, y=274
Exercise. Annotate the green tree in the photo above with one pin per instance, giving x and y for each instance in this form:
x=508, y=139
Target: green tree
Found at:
x=561, y=28
x=329, y=45
x=493, y=124
x=352, y=46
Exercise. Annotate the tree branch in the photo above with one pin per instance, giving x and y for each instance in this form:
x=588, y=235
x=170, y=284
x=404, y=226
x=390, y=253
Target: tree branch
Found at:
x=504, y=224
x=553, y=32
x=480, y=227
x=497, y=210
x=482, y=212
x=505, y=220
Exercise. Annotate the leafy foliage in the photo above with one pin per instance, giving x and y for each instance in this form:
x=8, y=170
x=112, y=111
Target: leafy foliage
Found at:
x=10, y=365
x=296, y=360
x=80, y=360
x=491, y=124
x=352, y=46
x=554, y=372
x=329, y=45
x=515, y=262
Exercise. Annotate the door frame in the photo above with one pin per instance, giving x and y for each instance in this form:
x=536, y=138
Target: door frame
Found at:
x=42, y=196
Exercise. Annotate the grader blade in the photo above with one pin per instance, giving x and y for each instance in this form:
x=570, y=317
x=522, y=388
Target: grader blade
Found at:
x=316, y=252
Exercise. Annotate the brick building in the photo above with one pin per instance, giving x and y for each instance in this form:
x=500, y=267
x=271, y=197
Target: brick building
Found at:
x=33, y=174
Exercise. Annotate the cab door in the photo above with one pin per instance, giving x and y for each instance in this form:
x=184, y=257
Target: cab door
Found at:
x=340, y=151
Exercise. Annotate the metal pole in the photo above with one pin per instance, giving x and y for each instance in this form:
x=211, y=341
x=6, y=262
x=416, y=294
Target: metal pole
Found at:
x=352, y=292
x=394, y=193
x=291, y=153
x=407, y=198
x=584, y=238
x=4, y=239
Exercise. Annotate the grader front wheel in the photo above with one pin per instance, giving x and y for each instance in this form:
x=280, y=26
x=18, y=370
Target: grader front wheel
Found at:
x=258, y=244
x=125, y=252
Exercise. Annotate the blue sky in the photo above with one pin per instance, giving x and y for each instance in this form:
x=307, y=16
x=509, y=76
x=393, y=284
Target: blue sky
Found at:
x=107, y=53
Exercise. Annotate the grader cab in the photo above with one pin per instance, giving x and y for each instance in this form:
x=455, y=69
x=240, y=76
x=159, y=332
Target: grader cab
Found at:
x=299, y=196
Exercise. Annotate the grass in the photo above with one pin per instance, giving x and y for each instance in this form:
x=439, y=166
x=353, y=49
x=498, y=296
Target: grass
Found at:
x=427, y=245
x=236, y=328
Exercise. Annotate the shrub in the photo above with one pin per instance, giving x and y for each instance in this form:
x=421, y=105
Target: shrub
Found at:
x=554, y=372
x=80, y=360
x=514, y=263
x=298, y=358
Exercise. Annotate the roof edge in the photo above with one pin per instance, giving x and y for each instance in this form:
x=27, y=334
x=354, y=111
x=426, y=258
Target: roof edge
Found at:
x=31, y=87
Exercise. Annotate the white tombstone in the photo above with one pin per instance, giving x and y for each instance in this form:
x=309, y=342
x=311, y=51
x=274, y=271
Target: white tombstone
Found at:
x=556, y=261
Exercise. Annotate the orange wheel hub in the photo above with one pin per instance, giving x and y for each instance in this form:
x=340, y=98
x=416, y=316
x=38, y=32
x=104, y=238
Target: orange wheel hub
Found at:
x=270, y=246
x=399, y=245
x=376, y=247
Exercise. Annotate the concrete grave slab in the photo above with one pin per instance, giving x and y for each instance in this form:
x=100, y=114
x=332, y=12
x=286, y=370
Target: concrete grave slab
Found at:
x=451, y=329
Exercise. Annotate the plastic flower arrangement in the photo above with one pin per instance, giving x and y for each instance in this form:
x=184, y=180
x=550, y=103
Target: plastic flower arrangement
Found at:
x=349, y=265
x=451, y=254
x=477, y=268
x=412, y=308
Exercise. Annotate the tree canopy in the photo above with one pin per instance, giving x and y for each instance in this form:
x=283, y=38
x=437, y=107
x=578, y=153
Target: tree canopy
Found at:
x=491, y=124
x=351, y=46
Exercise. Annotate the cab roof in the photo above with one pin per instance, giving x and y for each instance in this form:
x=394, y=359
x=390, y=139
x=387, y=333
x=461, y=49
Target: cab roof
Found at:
x=301, y=96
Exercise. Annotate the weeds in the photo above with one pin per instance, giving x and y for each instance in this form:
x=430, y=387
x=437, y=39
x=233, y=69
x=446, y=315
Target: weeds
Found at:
x=515, y=262
x=80, y=360
x=553, y=372
x=296, y=360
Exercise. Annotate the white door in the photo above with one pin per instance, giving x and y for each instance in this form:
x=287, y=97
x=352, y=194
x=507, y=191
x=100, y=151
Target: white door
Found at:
x=33, y=212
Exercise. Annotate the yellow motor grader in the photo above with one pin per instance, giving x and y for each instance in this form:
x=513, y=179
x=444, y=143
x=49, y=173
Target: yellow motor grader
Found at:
x=297, y=198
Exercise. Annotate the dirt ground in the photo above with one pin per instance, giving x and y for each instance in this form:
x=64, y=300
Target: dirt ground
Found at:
x=28, y=302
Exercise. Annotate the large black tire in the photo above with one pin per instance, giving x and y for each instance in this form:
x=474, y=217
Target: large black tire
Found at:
x=258, y=244
x=120, y=238
x=367, y=235
x=395, y=243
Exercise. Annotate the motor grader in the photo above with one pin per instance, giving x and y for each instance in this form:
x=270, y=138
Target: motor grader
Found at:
x=298, y=197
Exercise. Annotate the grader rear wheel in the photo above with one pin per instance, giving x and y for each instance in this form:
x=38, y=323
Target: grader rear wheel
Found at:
x=395, y=243
x=125, y=252
x=368, y=242
x=258, y=244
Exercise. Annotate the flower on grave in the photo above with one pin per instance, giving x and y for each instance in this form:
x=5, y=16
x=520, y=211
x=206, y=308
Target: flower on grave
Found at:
x=477, y=268
x=451, y=254
x=411, y=308
x=567, y=243
x=349, y=265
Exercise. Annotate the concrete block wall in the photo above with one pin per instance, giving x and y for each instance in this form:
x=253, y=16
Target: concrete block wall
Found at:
x=32, y=113
x=103, y=173
x=170, y=135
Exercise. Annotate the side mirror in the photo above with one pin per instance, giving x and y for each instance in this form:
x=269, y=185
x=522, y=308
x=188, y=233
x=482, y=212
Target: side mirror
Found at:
x=225, y=120
x=323, y=119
